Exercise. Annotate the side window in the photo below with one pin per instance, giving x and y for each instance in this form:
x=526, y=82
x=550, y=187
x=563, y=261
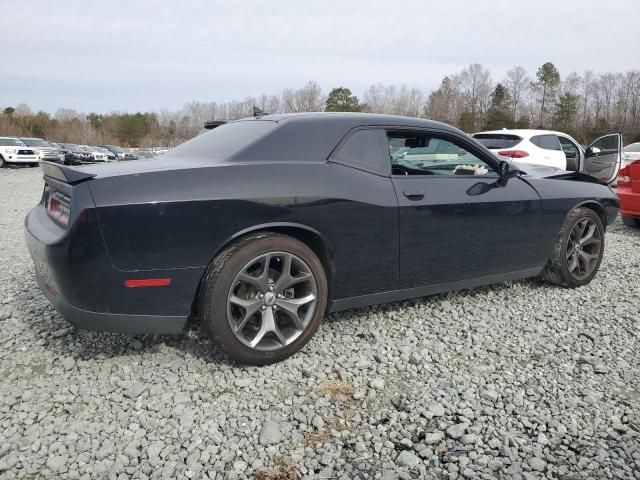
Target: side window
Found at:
x=363, y=149
x=548, y=142
x=605, y=145
x=414, y=153
x=568, y=147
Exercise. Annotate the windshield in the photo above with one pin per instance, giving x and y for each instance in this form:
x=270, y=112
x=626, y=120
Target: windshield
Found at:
x=35, y=142
x=12, y=142
x=226, y=140
x=102, y=150
x=634, y=147
x=496, y=141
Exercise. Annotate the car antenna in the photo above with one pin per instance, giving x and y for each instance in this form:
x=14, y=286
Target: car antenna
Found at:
x=258, y=112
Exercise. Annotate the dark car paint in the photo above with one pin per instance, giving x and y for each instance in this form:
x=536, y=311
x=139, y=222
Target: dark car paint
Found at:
x=170, y=216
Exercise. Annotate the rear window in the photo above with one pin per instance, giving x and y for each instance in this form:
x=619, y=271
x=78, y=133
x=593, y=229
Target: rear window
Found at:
x=496, y=141
x=634, y=147
x=225, y=140
x=548, y=142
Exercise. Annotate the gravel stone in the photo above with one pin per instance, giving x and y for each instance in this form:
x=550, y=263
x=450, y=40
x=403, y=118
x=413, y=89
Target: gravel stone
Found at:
x=456, y=431
x=407, y=459
x=433, y=437
x=537, y=464
x=520, y=380
x=377, y=384
x=270, y=433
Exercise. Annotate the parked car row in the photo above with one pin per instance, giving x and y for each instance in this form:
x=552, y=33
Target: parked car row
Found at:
x=30, y=151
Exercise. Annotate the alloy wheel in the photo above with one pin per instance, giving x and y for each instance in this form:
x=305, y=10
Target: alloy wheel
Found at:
x=271, y=301
x=584, y=248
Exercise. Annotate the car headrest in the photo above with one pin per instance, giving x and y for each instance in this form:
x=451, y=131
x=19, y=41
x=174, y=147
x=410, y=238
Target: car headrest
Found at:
x=412, y=143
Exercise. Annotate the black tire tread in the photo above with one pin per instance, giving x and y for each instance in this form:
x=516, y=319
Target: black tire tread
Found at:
x=554, y=271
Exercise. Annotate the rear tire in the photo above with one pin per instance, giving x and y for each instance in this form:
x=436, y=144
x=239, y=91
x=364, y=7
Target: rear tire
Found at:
x=3, y=163
x=631, y=221
x=578, y=251
x=253, y=311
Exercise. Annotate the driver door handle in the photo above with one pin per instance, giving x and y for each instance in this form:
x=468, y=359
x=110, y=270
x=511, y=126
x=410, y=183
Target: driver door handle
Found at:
x=414, y=195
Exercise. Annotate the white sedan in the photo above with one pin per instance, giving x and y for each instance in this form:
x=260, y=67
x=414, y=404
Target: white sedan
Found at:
x=556, y=149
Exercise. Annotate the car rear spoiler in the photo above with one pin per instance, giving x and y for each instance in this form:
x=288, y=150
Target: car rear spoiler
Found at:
x=64, y=173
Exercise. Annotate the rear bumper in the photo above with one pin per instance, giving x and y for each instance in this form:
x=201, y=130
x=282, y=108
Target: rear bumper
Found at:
x=111, y=322
x=629, y=202
x=76, y=277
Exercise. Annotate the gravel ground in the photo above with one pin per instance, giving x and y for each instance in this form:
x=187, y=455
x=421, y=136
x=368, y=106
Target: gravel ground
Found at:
x=521, y=380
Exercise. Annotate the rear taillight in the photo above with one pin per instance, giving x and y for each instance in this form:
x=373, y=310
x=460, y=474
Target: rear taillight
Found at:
x=59, y=208
x=513, y=153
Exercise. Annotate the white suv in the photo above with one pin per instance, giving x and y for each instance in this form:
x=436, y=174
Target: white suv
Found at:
x=556, y=149
x=12, y=150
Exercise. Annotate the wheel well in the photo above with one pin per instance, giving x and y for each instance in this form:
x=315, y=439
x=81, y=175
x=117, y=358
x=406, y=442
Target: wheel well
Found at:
x=308, y=237
x=599, y=209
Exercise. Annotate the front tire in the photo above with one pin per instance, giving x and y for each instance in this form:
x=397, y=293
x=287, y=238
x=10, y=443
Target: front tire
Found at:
x=263, y=298
x=3, y=163
x=578, y=251
x=631, y=221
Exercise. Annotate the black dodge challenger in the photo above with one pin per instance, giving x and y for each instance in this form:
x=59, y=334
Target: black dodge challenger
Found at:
x=262, y=225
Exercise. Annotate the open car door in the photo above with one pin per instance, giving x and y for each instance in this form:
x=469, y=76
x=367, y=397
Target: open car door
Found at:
x=602, y=158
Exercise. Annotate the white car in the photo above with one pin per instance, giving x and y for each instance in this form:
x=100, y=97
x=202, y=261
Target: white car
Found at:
x=43, y=150
x=14, y=151
x=98, y=153
x=630, y=154
x=557, y=149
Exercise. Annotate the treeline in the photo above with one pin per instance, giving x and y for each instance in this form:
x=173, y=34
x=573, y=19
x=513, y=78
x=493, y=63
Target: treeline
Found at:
x=583, y=105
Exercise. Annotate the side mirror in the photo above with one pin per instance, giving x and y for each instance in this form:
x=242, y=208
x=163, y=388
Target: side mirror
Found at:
x=505, y=171
x=591, y=151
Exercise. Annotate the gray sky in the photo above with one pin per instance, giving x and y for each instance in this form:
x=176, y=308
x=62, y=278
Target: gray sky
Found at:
x=147, y=55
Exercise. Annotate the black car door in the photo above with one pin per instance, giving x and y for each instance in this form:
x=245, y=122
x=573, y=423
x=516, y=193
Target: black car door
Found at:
x=458, y=219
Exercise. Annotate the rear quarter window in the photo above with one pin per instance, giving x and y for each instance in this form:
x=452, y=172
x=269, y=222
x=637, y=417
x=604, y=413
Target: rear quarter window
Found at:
x=364, y=149
x=496, y=141
x=547, y=142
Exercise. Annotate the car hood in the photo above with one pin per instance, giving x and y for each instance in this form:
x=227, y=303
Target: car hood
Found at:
x=544, y=171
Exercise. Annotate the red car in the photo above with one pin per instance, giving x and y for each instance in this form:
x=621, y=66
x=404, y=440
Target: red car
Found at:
x=629, y=193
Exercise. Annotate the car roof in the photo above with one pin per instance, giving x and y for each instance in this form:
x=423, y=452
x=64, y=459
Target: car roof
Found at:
x=523, y=132
x=31, y=138
x=353, y=118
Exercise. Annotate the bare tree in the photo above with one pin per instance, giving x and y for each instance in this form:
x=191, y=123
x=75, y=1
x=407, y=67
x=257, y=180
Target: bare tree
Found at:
x=517, y=83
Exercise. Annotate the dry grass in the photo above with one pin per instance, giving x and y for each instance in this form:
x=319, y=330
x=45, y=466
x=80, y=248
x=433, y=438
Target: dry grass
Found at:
x=314, y=438
x=323, y=435
x=283, y=470
x=338, y=390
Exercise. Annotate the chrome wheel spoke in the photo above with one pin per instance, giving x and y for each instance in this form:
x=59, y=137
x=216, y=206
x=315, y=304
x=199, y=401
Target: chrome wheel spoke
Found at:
x=250, y=306
x=584, y=248
x=573, y=262
x=291, y=306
